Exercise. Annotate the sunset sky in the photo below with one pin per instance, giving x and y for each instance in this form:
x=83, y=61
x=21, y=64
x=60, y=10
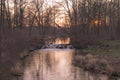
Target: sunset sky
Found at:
x=59, y=16
x=59, y=19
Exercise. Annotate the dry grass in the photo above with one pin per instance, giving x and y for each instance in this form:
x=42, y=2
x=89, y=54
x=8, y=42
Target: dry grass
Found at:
x=92, y=64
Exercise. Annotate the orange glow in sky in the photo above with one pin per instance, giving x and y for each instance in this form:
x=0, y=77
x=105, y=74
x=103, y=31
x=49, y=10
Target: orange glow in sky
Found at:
x=96, y=22
x=59, y=18
x=60, y=41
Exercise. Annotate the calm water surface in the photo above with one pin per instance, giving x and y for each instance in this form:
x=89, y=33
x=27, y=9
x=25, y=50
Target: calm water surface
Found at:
x=55, y=64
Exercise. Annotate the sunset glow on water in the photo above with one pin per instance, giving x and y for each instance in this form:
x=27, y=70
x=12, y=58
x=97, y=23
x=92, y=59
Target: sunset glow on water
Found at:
x=55, y=64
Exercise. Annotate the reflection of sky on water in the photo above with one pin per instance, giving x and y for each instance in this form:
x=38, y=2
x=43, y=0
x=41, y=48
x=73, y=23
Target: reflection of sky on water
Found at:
x=54, y=65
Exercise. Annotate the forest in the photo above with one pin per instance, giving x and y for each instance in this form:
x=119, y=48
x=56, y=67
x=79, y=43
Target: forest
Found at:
x=25, y=24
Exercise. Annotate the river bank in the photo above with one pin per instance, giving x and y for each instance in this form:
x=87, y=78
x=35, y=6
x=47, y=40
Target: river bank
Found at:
x=100, y=58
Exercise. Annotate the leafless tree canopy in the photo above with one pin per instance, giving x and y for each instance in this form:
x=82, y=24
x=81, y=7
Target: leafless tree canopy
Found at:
x=81, y=19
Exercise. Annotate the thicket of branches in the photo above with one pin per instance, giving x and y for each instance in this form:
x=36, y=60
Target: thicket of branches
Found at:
x=83, y=20
x=83, y=17
x=94, y=19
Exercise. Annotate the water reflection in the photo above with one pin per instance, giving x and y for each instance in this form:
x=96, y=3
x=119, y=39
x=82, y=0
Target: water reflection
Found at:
x=55, y=65
x=58, y=41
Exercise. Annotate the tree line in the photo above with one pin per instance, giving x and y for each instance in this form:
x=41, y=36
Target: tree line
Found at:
x=82, y=17
x=94, y=18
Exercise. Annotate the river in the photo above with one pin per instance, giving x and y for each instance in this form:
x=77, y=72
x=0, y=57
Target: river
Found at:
x=55, y=64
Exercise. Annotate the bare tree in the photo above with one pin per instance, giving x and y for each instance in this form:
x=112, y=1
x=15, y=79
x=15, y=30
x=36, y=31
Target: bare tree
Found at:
x=39, y=7
x=2, y=26
x=16, y=14
x=22, y=8
x=8, y=16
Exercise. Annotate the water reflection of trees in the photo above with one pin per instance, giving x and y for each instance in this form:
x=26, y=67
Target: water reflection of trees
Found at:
x=44, y=64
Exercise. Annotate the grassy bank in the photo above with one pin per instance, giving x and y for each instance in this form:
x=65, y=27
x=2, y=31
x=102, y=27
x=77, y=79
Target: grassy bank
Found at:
x=104, y=57
x=107, y=47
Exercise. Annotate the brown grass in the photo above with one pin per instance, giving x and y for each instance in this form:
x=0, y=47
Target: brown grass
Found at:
x=92, y=64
